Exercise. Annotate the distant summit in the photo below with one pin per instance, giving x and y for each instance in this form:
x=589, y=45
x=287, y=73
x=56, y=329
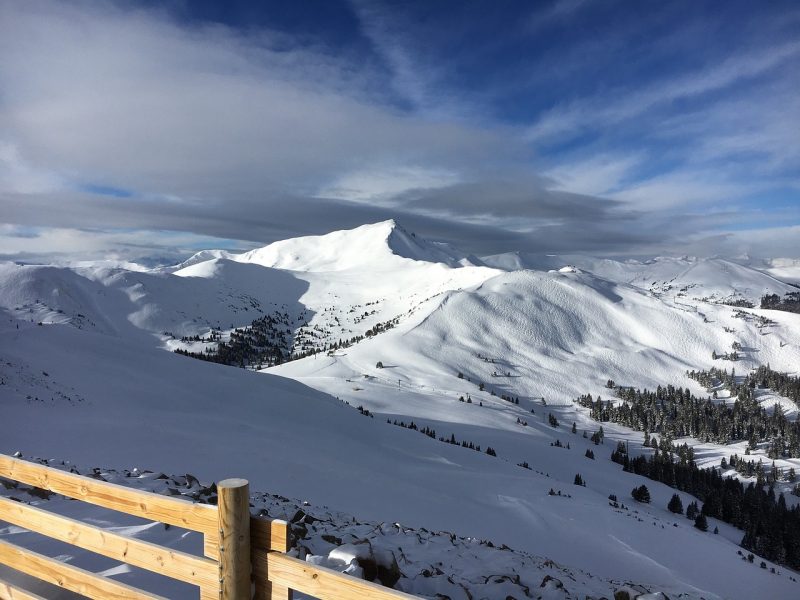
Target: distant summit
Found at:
x=375, y=246
x=197, y=258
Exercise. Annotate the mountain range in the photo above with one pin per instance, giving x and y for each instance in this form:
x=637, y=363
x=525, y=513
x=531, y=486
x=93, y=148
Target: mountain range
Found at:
x=375, y=326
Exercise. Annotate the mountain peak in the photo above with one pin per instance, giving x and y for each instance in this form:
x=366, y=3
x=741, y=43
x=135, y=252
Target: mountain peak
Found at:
x=375, y=246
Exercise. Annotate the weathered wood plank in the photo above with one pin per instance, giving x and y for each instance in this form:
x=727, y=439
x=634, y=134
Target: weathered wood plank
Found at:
x=320, y=582
x=264, y=588
x=10, y=592
x=269, y=534
x=172, y=563
x=234, y=532
x=154, y=507
x=68, y=577
x=266, y=533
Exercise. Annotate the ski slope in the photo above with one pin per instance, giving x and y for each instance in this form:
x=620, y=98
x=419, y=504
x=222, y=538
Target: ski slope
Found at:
x=705, y=279
x=94, y=384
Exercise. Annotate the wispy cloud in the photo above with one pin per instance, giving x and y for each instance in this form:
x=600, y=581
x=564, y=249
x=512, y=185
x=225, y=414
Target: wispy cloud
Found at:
x=69, y=245
x=18, y=175
x=608, y=109
x=116, y=118
x=602, y=174
x=558, y=10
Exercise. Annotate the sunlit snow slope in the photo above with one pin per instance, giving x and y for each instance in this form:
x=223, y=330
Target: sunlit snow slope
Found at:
x=94, y=384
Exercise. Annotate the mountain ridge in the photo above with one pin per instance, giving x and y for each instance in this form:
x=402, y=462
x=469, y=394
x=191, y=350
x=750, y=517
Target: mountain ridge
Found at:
x=421, y=335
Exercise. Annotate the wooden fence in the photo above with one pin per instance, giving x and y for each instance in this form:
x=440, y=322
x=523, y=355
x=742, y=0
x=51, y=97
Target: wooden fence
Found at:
x=244, y=555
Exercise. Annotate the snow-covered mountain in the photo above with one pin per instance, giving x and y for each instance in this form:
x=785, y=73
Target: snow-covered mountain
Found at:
x=382, y=246
x=403, y=328
x=198, y=257
x=710, y=279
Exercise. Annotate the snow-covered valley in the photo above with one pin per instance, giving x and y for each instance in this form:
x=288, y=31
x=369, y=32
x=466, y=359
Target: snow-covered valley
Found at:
x=482, y=351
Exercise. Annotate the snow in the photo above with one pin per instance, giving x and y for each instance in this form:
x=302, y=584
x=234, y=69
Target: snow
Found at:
x=426, y=562
x=712, y=279
x=380, y=244
x=93, y=384
x=196, y=258
x=785, y=269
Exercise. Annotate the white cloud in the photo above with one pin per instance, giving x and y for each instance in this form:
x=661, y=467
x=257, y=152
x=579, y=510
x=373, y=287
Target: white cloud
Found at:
x=382, y=185
x=137, y=101
x=765, y=243
x=608, y=109
x=18, y=176
x=258, y=135
x=597, y=175
x=684, y=189
x=68, y=245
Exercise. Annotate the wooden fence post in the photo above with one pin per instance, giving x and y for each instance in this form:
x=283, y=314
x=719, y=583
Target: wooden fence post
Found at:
x=234, y=534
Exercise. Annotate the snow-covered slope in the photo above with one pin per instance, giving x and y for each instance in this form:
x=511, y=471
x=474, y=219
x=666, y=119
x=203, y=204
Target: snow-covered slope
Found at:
x=785, y=269
x=380, y=245
x=93, y=384
x=712, y=279
x=197, y=257
x=126, y=404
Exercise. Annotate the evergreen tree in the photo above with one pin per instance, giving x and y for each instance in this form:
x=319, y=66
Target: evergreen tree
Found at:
x=641, y=494
x=701, y=522
x=675, y=505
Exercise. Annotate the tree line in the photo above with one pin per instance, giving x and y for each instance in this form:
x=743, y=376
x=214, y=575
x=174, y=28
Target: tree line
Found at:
x=789, y=303
x=675, y=412
x=771, y=528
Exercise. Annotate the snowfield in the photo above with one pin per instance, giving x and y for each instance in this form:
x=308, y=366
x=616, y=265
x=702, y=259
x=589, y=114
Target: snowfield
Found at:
x=85, y=375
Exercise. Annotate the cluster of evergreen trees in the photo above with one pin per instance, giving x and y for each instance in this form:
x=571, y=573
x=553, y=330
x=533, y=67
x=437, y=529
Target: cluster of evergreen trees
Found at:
x=431, y=433
x=760, y=378
x=761, y=320
x=365, y=412
x=213, y=336
x=784, y=436
x=263, y=343
x=641, y=494
x=381, y=327
x=676, y=412
x=751, y=468
x=790, y=302
x=739, y=302
x=771, y=528
x=269, y=341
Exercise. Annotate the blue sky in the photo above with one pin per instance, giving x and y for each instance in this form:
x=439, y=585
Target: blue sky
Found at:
x=601, y=127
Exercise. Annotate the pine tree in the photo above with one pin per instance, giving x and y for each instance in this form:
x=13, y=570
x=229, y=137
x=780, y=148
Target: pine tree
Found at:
x=579, y=480
x=701, y=522
x=641, y=494
x=675, y=505
x=692, y=510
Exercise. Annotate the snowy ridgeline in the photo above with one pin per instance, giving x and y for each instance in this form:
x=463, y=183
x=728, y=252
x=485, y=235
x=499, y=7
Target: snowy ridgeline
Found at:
x=431, y=564
x=380, y=319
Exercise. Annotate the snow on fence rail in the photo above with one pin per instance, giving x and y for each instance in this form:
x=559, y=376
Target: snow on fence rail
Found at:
x=237, y=546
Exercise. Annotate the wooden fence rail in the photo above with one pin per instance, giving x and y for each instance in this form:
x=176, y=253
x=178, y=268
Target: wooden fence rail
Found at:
x=244, y=555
